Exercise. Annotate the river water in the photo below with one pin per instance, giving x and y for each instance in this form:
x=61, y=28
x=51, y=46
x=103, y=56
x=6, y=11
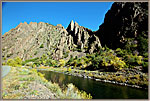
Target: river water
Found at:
x=98, y=90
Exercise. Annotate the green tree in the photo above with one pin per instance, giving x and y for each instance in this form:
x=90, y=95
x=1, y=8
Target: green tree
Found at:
x=11, y=62
x=18, y=60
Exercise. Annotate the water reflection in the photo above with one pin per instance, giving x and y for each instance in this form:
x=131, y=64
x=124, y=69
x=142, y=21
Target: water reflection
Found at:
x=98, y=90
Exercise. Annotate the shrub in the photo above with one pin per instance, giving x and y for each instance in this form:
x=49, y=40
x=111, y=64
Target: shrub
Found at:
x=96, y=62
x=44, y=57
x=62, y=62
x=4, y=58
x=55, y=88
x=90, y=74
x=71, y=92
x=113, y=62
x=41, y=46
x=70, y=60
x=69, y=69
x=48, y=53
x=121, y=52
x=41, y=75
x=139, y=59
x=18, y=60
x=35, y=53
x=107, y=59
x=14, y=62
x=44, y=62
x=51, y=62
x=33, y=65
x=3, y=63
x=133, y=60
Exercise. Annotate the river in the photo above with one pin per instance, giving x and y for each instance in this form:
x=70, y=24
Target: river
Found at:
x=98, y=90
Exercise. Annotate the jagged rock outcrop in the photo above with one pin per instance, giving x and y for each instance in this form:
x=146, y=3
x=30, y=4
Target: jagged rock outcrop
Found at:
x=83, y=38
x=35, y=39
x=125, y=24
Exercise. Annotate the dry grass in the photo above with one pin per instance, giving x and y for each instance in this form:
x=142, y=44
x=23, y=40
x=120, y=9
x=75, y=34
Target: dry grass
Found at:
x=22, y=83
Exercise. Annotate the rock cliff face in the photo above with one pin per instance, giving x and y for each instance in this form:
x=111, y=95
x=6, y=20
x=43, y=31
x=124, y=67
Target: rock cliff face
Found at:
x=124, y=25
x=83, y=38
x=35, y=39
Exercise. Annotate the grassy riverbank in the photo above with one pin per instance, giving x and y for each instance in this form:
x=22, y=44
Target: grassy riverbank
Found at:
x=23, y=83
x=113, y=66
x=127, y=77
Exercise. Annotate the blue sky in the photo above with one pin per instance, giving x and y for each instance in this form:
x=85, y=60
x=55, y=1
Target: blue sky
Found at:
x=87, y=14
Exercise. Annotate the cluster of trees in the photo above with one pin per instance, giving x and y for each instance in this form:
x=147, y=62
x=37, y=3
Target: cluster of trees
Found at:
x=105, y=59
x=16, y=62
x=109, y=60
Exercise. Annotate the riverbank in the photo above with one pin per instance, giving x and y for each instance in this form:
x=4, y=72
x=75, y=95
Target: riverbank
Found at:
x=125, y=77
x=23, y=83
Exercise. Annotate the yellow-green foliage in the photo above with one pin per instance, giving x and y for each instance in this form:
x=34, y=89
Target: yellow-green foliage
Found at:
x=105, y=58
x=18, y=60
x=120, y=78
x=118, y=63
x=44, y=57
x=34, y=70
x=139, y=59
x=111, y=60
x=62, y=62
x=19, y=78
x=55, y=88
x=137, y=76
x=69, y=69
x=11, y=62
x=44, y=62
x=14, y=62
x=4, y=58
x=82, y=62
x=48, y=53
x=3, y=63
x=134, y=59
x=53, y=62
x=72, y=92
x=90, y=74
x=33, y=65
x=40, y=74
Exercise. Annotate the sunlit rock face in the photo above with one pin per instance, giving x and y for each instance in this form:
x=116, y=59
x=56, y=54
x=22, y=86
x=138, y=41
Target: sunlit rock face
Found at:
x=125, y=25
x=35, y=39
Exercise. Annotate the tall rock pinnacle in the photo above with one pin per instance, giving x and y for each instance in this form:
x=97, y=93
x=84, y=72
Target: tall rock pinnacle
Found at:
x=71, y=26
